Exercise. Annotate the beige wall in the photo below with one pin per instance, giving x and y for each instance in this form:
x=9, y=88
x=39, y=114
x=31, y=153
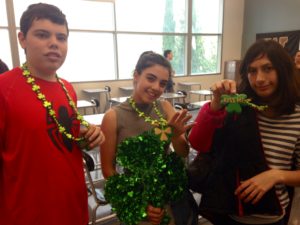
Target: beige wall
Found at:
x=232, y=41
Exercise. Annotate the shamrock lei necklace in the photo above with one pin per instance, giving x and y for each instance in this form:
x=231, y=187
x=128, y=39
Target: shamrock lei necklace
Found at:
x=154, y=122
x=161, y=125
x=36, y=88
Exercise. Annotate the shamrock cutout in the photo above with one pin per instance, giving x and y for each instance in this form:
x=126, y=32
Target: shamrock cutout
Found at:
x=152, y=176
x=233, y=102
x=164, y=133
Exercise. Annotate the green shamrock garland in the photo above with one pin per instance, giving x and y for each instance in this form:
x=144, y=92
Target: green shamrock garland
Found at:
x=233, y=103
x=151, y=177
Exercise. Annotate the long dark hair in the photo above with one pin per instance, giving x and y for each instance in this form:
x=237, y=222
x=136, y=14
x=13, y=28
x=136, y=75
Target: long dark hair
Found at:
x=287, y=93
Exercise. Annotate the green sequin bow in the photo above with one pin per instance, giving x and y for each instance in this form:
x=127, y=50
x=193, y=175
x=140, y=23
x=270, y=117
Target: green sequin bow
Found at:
x=151, y=177
x=233, y=103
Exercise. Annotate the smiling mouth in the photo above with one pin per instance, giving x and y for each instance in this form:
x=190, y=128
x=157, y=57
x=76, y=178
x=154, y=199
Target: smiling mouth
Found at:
x=265, y=88
x=52, y=55
x=152, y=95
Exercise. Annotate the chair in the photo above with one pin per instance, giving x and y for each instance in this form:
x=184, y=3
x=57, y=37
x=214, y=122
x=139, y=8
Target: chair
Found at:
x=112, y=101
x=196, y=105
x=99, y=210
x=84, y=105
x=108, y=102
x=97, y=104
x=182, y=104
x=182, y=92
x=207, y=94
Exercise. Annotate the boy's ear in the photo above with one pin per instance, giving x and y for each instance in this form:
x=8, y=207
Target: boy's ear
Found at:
x=22, y=38
x=135, y=75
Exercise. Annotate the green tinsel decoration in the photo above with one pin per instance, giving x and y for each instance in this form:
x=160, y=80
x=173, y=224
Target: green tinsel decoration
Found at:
x=151, y=177
x=233, y=103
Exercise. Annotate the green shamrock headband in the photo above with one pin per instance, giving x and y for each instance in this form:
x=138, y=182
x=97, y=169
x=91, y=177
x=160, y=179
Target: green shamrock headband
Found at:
x=233, y=103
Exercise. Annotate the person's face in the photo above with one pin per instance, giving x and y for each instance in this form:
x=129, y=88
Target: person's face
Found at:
x=297, y=59
x=46, y=46
x=170, y=56
x=150, y=84
x=263, y=78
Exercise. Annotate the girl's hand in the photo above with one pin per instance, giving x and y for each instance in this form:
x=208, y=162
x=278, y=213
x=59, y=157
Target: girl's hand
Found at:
x=220, y=88
x=253, y=189
x=179, y=122
x=155, y=215
x=93, y=135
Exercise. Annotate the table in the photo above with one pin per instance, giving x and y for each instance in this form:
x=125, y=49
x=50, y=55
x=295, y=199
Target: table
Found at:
x=84, y=104
x=190, y=84
x=118, y=100
x=204, y=93
x=172, y=96
x=97, y=91
x=187, y=86
x=126, y=89
x=95, y=119
x=198, y=105
x=94, y=90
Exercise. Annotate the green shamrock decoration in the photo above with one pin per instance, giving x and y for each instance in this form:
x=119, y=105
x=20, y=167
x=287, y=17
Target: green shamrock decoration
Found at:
x=151, y=176
x=233, y=103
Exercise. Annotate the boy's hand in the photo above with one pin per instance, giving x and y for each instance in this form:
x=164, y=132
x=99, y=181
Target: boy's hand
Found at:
x=93, y=135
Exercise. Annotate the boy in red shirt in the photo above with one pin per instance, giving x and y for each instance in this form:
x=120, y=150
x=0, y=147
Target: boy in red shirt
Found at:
x=41, y=170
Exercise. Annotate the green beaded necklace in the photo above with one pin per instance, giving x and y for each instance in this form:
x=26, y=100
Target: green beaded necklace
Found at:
x=36, y=88
x=161, y=124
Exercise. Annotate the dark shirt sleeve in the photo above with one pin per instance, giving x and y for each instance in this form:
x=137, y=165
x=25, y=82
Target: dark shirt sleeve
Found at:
x=202, y=132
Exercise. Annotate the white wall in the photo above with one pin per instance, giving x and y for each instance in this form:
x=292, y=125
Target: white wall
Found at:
x=267, y=16
x=233, y=29
x=232, y=42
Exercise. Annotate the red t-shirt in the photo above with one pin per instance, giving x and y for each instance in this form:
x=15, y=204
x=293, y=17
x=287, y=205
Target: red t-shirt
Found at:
x=41, y=171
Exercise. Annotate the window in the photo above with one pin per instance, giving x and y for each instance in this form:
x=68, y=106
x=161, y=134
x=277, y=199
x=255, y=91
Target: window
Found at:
x=93, y=61
x=151, y=16
x=83, y=15
x=207, y=34
x=3, y=17
x=205, y=54
x=128, y=55
x=5, y=48
x=4, y=37
x=107, y=36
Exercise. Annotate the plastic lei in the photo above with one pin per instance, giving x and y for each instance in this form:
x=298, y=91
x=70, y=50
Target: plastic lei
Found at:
x=36, y=89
